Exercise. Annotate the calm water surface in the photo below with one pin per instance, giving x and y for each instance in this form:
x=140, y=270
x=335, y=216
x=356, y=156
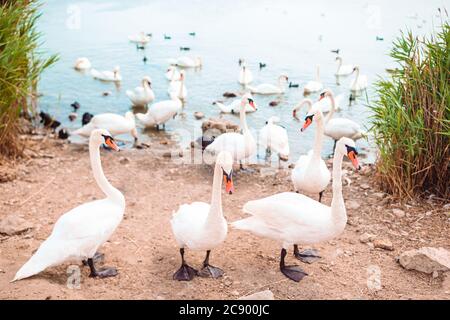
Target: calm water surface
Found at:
x=291, y=37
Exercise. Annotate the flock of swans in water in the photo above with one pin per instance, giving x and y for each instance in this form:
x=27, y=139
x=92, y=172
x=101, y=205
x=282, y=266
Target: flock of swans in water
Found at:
x=289, y=218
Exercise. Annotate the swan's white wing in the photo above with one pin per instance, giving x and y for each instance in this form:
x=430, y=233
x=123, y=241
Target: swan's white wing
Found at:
x=164, y=110
x=265, y=88
x=232, y=142
x=287, y=217
x=114, y=123
x=76, y=235
x=341, y=127
x=188, y=222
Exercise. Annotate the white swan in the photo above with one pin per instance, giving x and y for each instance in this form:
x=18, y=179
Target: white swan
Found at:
x=343, y=70
x=201, y=226
x=78, y=233
x=292, y=218
x=186, y=62
x=314, y=85
x=143, y=95
x=274, y=138
x=267, y=88
x=113, y=76
x=82, y=64
x=140, y=38
x=172, y=74
x=235, y=107
x=337, y=128
x=245, y=75
x=240, y=145
x=359, y=83
x=177, y=87
x=311, y=173
x=161, y=112
x=114, y=123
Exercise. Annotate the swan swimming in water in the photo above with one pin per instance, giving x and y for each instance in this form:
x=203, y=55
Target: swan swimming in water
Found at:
x=143, y=95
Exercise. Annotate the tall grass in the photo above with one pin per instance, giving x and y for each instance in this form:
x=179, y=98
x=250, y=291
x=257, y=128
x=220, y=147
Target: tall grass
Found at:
x=411, y=117
x=21, y=63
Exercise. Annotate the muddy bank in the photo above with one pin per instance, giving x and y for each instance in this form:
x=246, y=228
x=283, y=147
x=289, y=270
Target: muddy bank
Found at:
x=56, y=177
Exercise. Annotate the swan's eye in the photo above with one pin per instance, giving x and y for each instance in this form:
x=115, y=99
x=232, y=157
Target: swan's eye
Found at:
x=351, y=149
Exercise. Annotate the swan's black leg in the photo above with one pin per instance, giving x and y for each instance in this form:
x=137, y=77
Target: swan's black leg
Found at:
x=101, y=273
x=320, y=196
x=97, y=258
x=185, y=273
x=334, y=146
x=306, y=256
x=209, y=271
x=292, y=272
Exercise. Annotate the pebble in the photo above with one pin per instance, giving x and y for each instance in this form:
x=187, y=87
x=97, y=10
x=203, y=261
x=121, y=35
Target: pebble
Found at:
x=367, y=237
x=199, y=115
x=385, y=244
x=365, y=186
x=235, y=293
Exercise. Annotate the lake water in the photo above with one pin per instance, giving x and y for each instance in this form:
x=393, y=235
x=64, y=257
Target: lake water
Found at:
x=291, y=37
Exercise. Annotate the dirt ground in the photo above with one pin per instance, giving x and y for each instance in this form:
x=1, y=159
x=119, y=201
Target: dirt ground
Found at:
x=57, y=177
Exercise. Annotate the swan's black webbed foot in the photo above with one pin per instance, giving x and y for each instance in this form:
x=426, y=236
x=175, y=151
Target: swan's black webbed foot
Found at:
x=101, y=273
x=209, y=271
x=294, y=273
x=185, y=273
x=306, y=256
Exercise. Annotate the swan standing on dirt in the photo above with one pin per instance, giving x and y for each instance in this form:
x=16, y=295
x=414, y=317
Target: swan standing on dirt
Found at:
x=240, y=145
x=311, y=173
x=235, y=107
x=186, y=62
x=274, y=138
x=291, y=218
x=314, y=85
x=201, y=226
x=267, y=88
x=143, y=95
x=177, y=87
x=82, y=64
x=343, y=70
x=172, y=74
x=245, y=75
x=114, y=123
x=360, y=81
x=161, y=112
x=80, y=232
x=111, y=76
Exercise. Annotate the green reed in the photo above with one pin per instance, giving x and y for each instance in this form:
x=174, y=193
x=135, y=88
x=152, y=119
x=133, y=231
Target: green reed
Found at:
x=411, y=117
x=21, y=64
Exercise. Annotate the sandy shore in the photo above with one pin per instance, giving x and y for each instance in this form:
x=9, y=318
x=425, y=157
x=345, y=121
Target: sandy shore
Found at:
x=57, y=177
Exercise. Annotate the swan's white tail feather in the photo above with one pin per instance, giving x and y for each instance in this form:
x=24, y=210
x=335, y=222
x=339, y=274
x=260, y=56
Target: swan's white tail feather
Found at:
x=223, y=107
x=46, y=256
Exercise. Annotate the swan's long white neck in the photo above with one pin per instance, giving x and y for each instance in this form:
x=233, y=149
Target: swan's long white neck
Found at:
x=180, y=94
x=357, y=75
x=215, y=211
x=318, y=139
x=333, y=107
x=339, y=65
x=338, y=211
x=318, y=74
x=243, y=117
x=97, y=170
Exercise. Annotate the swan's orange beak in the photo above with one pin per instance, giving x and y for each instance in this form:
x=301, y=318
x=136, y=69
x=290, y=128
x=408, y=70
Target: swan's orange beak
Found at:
x=308, y=121
x=228, y=180
x=109, y=141
x=352, y=156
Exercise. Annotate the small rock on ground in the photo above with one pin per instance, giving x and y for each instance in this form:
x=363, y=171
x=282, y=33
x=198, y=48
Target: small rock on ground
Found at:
x=262, y=295
x=426, y=259
x=385, y=244
x=12, y=225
